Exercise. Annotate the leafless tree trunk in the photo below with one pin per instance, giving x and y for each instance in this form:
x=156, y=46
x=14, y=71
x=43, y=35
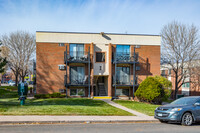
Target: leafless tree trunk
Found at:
x=180, y=46
x=21, y=47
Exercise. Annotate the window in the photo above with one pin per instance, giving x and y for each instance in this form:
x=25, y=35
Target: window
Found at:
x=77, y=75
x=122, y=52
x=163, y=72
x=76, y=50
x=122, y=92
x=100, y=56
x=123, y=75
x=169, y=72
x=77, y=92
x=61, y=44
x=186, y=85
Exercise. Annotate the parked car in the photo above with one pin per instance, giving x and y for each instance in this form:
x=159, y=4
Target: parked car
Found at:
x=185, y=110
x=12, y=83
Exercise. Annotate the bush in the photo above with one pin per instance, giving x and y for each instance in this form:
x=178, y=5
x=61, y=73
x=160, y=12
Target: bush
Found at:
x=38, y=96
x=166, y=85
x=150, y=90
x=54, y=95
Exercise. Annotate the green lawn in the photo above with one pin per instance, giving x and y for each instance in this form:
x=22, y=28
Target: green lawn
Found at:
x=9, y=87
x=56, y=106
x=138, y=106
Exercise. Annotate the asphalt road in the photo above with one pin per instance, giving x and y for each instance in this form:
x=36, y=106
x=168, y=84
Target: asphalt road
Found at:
x=101, y=128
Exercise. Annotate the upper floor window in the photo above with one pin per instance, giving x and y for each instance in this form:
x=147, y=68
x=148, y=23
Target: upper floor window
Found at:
x=123, y=50
x=76, y=50
x=186, y=85
x=61, y=44
x=169, y=71
x=77, y=75
x=123, y=75
x=100, y=56
x=163, y=72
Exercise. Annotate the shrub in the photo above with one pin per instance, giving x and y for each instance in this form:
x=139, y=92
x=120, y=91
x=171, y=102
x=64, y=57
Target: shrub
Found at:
x=150, y=90
x=166, y=85
x=38, y=96
x=54, y=95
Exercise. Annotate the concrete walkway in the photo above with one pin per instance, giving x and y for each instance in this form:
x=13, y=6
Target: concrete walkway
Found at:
x=126, y=109
x=71, y=119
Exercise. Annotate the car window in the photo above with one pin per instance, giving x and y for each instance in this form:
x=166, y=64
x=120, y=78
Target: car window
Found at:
x=198, y=101
x=184, y=101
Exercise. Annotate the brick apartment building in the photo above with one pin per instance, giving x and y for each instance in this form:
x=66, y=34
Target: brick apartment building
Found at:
x=191, y=87
x=95, y=64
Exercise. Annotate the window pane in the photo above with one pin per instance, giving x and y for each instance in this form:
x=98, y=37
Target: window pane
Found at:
x=81, y=92
x=77, y=75
x=188, y=85
x=100, y=57
x=122, y=92
x=73, y=92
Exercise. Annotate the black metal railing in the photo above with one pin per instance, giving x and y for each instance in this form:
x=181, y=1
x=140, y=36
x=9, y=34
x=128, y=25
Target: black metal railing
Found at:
x=77, y=80
x=124, y=80
x=76, y=56
x=125, y=57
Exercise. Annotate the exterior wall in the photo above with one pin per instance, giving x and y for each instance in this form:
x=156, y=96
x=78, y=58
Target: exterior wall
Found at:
x=49, y=55
x=104, y=66
x=49, y=77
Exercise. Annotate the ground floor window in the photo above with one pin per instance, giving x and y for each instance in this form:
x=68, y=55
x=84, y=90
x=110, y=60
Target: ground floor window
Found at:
x=77, y=92
x=122, y=92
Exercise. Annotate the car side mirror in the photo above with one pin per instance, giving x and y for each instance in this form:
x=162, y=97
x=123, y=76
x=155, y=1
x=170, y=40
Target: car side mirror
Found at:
x=197, y=104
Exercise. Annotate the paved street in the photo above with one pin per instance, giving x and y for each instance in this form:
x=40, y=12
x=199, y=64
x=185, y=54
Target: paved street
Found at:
x=101, y=128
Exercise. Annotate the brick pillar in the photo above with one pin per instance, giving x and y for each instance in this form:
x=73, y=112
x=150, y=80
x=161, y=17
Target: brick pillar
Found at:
x=92, y=68
x=110, y=70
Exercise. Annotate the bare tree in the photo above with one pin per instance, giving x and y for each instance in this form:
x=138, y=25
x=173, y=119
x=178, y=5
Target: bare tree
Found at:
x=21, y=47
x=180, y=46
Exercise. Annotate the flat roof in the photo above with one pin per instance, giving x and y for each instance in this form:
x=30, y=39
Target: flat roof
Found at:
x=98, y=33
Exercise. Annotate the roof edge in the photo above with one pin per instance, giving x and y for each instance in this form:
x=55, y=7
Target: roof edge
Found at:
x=96, y=33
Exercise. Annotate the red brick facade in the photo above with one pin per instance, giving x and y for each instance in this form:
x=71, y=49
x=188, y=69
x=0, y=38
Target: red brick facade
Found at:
x=50, y=79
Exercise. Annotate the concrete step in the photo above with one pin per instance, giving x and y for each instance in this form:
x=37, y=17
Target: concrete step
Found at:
x=102, y=97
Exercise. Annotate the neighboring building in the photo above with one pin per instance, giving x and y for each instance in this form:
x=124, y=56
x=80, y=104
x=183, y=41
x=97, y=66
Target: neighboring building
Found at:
x=95, y=64
x=191, y=87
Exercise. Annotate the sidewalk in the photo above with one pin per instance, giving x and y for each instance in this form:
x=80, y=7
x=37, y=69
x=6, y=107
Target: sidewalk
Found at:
x=126, y=109
x=72, y=119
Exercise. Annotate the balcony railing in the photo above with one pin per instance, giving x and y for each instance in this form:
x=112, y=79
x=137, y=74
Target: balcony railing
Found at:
x=121, y=57
x=77, y=81
x=77, y=56
x=124, y=81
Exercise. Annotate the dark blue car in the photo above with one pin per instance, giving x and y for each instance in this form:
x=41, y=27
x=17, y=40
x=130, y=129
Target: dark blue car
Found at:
x=185, y=110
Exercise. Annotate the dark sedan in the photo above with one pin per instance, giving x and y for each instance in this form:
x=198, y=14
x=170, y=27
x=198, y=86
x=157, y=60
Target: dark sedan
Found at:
x=185, y=110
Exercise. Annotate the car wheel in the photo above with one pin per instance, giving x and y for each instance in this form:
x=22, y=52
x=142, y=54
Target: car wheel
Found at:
x=187, y=119
x=163, y=121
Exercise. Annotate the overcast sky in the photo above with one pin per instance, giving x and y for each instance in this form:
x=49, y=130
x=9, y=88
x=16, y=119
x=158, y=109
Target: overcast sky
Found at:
x=113, y=16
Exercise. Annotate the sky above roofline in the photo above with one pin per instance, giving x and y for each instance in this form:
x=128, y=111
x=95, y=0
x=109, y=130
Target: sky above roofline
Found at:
x=111, y=16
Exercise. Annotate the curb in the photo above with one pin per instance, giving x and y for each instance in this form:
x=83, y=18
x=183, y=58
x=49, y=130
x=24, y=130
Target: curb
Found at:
x=75, y=122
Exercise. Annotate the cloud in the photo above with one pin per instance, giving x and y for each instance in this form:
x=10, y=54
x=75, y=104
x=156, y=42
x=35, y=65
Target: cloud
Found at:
x=121, y=16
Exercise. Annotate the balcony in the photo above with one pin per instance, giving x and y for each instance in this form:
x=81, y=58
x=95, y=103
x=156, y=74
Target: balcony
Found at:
x=76, y=57
x=124, y=58
x=76, y=81
x=124, y=81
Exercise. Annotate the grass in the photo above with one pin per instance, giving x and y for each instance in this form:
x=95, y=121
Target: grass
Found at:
x=56, y=106
x=138, y=106
x=9, y=87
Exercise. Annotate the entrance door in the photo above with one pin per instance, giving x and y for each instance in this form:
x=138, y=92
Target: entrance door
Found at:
x=100, y=88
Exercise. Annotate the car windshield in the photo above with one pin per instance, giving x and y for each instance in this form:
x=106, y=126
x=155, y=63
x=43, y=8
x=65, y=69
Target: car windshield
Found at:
x=184, y=101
